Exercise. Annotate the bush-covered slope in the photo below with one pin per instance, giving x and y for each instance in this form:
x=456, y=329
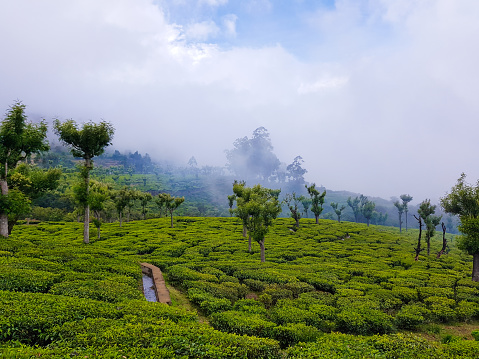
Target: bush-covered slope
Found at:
x=61, y=298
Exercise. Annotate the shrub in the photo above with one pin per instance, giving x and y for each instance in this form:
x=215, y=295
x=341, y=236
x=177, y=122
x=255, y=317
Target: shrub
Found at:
x=255, y=285
x=26, y=280
x=411, y=316
x=250, y=306
x=364, y=321
x=441, y=308
x=291, y=334
x=242, y=323
x=277, y=292
x=113, y=289
x=475, y=334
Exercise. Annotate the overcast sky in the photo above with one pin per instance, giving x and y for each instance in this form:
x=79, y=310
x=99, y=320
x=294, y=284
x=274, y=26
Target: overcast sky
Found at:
x=379, y=97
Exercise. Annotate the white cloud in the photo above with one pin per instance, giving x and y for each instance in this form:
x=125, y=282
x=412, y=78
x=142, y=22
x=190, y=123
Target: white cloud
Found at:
x=202, y=31
x=229, y=23
x=213, y=2
x=385, y=104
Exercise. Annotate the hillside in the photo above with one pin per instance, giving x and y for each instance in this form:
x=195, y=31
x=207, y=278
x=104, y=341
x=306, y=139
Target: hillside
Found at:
x=328, y=290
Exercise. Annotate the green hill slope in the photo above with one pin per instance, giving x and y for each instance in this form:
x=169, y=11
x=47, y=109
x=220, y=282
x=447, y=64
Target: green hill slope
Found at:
x=333, y=290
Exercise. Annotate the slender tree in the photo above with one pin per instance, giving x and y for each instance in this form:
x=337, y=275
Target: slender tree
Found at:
x=338, y=210
x=231, y=202
x=263, y=208
x=88, y=142
x=171, y=203
x=405, y=200
x=145, y=197
x=418, y=248
x=400, y=208
x=463, y=200
x=18, y=140
x=306, y=202
x=242, y=194
x=354, y=204
x=121, y=198
x=367, y=210
x=444, y=241
x=99, y=193
x=317, y=200
x=293, y=201
x=426, y=211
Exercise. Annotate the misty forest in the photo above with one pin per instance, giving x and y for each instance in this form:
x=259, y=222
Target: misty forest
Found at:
x=257, y=261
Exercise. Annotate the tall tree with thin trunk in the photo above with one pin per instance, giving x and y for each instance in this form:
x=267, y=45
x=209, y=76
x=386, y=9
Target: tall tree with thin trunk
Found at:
x=171, y=203
x=242, y=194
x=355, y=206
x=400, y=208
x=463, y=200
x=405, y=200
x=231, y=202
x=88, y=142
x=263, y=207
x=368, y=210
x=293, y=201
x=145, y=197
x=317, y=200
x=418, y=248
x=338, y=210
x=18, y=140
x=426, y=211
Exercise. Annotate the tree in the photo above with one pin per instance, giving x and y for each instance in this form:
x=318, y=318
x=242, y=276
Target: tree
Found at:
x=98, y=194
x=263, y=208
x=405, y=200
x=354, y=204
x=31, y=183
x=338, y=210
x=306, y=202
x=418, y=248
x=18, y=140
x=253, y=158
x=317, y=200
x=368, y=210
x=426, y=211
x=292, y=201
x=231, y=202
x=145, y=197
x=121, y=198
x=295, y=171
x=400, y=208
x=463, y=200
x=171, y=203
x=86, y=143
x=242, y=194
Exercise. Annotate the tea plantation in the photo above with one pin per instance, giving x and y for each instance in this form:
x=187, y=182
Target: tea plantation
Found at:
x=333, y=290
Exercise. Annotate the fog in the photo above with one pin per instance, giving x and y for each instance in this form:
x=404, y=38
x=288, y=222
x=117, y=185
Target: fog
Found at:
x=377, y=96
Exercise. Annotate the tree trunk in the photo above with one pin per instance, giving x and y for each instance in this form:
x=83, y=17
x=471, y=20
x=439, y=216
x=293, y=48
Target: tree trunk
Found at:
x=368, y=221
x=475, y=267
x=400, y=223
x=316, y=216
x=119, y=216
x=444, y=241
x=86, y=220
x=406, y=219
x=249, y=243
x=4, y=215
x=171, y=215
x=261, y=245
x=244, y=231
x=428, y=241
x=418, y=248
x=297, y=222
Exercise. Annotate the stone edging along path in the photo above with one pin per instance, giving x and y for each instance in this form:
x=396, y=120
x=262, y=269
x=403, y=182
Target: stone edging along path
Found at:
x=162, y=293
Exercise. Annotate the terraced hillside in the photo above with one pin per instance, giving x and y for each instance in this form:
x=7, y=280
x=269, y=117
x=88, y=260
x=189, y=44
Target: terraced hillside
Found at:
x=333, y=290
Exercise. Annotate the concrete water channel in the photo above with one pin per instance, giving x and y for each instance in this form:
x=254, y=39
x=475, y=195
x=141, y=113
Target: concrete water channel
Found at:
x=154, y=286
